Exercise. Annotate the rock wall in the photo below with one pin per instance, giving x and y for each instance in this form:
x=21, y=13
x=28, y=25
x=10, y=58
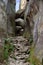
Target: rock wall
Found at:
x=23, y=4
x=3, y=18
x=38, y=32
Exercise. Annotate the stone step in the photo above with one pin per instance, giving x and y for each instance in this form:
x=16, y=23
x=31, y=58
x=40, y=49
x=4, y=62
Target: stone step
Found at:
x=21, y=30
x=20, y=21
x=18, y=27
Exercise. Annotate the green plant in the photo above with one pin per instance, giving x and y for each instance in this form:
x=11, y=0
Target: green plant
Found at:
x=8, y=48
x=31, y=39
x=26, y=34
x=33, y=59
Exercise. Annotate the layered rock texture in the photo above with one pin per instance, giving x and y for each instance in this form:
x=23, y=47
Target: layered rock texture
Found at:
x=38, y=30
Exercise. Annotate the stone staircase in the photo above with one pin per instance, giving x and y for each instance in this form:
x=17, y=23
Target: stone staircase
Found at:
x=21, y=52
x=19, y=26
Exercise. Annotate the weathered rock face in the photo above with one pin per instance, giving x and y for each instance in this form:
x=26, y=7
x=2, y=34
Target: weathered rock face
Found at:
x=5, y=23
x=3, y=20
x=10, y=10
x=38, y=33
